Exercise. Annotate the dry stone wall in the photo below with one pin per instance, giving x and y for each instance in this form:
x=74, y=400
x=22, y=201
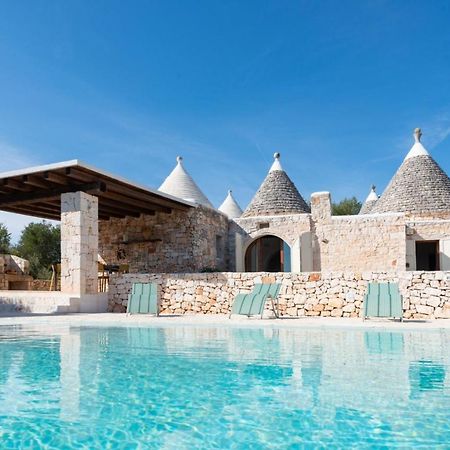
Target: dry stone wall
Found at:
x=426, y=295
x=362, y=242
x=183, y=241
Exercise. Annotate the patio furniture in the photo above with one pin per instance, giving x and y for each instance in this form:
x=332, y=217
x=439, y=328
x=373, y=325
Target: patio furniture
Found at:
x=143, y=299
x=383, y=300
x=253, y=304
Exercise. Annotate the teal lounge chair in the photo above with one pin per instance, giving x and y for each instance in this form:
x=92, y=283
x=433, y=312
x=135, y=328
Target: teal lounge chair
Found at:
x=253, y=304
x=143, y=299
x=383, y=300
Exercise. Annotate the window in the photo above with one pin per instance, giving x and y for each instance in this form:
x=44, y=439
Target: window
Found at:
x=219, y=247
x=427, y=255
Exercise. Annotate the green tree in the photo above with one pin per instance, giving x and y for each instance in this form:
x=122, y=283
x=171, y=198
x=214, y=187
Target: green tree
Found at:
x=40, y=243
x=346, y=207
x=5, y=239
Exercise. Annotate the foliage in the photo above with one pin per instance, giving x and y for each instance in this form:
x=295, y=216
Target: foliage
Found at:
x=5, y=239
x=40, y=244
x=346, y=207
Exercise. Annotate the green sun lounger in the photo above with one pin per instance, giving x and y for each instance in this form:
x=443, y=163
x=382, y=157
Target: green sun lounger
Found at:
x=143, y=299
x=383, y=300
x=253, y=304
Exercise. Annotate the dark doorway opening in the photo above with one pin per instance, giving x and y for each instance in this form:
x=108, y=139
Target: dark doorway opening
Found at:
x=268, y=254
x=427, y=255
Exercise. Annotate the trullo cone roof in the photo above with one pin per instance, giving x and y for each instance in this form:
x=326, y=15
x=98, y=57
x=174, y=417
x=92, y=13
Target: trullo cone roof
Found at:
x=180, y=184
x=230, y=207
x=276, y=195
x=371, y=199
x=419, y=185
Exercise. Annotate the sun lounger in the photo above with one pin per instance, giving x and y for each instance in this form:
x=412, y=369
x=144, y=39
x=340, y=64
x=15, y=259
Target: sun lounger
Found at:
x=383, y=300
x=253, y=304
x=143, y=299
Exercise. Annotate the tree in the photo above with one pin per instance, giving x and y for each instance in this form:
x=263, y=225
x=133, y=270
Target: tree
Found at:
x=346, y=207
x=5, y=239
x=40, y=244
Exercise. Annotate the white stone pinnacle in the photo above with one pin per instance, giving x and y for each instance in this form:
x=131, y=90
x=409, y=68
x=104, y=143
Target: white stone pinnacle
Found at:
x=372, y=195
x=276, y=164
x=417, y=149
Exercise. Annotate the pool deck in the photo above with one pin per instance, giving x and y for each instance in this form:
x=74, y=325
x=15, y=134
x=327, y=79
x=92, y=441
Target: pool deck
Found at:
x=110, y=319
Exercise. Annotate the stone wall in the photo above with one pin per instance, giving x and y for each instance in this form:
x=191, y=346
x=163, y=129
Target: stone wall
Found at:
x=428, y=230
x=366, y=242
x=426, y=295
x=183, y=241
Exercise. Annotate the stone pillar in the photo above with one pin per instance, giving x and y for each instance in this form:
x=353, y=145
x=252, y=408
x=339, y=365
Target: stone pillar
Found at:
x=321, y=206
x=79, y=243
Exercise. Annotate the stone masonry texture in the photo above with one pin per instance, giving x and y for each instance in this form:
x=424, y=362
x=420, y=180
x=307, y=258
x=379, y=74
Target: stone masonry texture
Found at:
x=426, y=295
x=183, y=241
x=419, y=186
x=79, y=243
x=276, y=195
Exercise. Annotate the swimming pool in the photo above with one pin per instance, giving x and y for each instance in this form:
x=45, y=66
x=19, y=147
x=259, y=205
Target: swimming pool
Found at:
x=223, y=387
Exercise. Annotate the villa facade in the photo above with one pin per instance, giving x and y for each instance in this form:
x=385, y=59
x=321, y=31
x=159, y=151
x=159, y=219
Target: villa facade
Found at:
x=406, y=228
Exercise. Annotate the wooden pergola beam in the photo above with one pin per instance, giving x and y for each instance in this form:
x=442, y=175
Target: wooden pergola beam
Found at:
x=49, y=194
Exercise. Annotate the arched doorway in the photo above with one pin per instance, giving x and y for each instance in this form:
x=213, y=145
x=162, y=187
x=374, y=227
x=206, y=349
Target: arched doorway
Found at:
x=268, y=254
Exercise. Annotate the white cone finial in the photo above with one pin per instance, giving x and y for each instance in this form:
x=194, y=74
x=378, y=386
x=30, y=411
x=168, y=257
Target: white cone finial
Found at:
x=417, y=149
x=179, y=159
x=372, y=194
x=276, y=164
x=417, y=134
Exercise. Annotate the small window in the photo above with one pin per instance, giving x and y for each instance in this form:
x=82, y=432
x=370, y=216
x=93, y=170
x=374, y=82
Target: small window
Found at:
x=219, y=247
x=427, y=255
x=263, y=225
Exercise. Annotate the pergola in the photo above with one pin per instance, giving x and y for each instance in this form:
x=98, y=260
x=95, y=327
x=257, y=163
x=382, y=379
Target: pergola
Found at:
x=37, y=192
x=79, y=195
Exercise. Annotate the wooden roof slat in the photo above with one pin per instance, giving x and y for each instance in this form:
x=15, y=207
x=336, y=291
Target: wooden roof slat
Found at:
x=42, y=195
x=134, y=203
x=56, y=178
x=14, y=185
x=35, y=181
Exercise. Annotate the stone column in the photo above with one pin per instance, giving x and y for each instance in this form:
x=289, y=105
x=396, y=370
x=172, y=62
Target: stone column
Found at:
x=321, y=206
x=79, y=243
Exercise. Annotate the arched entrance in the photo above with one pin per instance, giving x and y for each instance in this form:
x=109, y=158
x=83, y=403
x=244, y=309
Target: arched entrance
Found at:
x=268, y=254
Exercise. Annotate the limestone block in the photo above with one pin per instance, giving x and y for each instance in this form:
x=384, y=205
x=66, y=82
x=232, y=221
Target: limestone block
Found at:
x=423, y=309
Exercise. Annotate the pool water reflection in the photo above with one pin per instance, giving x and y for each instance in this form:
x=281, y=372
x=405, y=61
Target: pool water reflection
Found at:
x=219, y=387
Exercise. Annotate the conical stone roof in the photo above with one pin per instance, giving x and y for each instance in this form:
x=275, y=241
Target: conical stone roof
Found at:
x=371, y=199
x=180, y=184
x=276, y=195
x=419, y=185
x=230, y=207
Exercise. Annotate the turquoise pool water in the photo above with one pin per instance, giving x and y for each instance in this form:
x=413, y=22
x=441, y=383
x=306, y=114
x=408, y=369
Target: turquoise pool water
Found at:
x=198, y=387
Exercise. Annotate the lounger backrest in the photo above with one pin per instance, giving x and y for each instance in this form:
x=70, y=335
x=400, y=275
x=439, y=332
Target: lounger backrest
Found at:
x=261, y=288
x=143, y=299
x=253, y=303
x=383, y=300
x=396, y=300
x=274, y=290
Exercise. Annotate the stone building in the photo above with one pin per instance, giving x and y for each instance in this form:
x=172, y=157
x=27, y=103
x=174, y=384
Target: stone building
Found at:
x=406, y=228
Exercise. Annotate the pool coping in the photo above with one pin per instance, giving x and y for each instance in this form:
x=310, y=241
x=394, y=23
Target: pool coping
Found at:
x=114, y=319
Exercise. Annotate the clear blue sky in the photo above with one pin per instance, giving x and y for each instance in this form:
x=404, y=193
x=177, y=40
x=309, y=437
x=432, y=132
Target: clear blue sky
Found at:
x=335, y=86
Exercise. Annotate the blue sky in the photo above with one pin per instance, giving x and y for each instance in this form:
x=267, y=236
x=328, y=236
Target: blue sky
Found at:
x=335, y=86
